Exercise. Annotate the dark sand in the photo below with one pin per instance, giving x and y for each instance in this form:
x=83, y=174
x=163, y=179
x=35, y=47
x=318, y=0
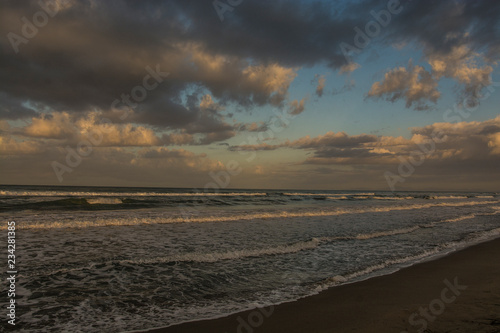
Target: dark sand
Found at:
x=385, y=303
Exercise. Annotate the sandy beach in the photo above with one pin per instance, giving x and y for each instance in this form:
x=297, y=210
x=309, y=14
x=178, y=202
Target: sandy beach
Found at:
x=456, y=293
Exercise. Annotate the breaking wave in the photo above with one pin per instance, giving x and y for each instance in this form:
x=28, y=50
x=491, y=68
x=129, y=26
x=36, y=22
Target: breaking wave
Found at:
x=202, y=218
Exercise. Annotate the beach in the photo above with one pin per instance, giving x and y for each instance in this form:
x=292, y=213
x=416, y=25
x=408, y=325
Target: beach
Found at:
x=459, y=292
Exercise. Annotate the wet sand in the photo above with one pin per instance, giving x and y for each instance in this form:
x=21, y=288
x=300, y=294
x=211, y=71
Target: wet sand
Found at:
x=456, y=293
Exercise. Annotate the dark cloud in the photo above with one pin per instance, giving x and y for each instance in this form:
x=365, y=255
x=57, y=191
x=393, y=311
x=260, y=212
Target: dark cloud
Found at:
x=335, y=140
x=333, y=152
x=474, y=142
x=329, y=141
x=491, y=129
x=441, y=26
x=92, y=52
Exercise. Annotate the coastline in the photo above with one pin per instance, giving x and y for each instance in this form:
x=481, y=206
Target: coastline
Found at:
x=458, y=292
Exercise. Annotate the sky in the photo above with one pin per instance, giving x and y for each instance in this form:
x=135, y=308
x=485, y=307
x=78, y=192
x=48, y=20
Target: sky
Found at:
x=297, y=94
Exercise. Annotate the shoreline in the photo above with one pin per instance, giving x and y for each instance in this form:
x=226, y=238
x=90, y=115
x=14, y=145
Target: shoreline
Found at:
x=405, y=300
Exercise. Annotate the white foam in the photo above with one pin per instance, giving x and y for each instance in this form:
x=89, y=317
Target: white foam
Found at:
x=392, y=262
x=387, y=233
x=458, y=219
x=468, y=217
x=104, y=201
x=442, y=197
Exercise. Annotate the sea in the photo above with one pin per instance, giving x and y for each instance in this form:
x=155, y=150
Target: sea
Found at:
x=116, y=259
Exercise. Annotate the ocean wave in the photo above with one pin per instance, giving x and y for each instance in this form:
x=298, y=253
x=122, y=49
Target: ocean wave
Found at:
x=391, y=262
x=189, y=311
x=104, y=201
x=311, y=244
x=411, y=259
x=101, y=222
x=231, y=255
x=387, y=233
x=204, y=257
x=200, y=257
x=374, y=196
x=459, y=218
x=469, y=216
x=394, y=198
x=442, y=197
x=325, y=194
x=351, y=197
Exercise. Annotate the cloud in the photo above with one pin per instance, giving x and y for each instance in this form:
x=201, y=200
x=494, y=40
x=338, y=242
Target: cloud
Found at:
x=257, y=147
x=128, y=136
x=161, y=152
x=81, y=61
x=333, y=152
x=465, y=49
x=71, y=129
x=321, y=84
x=297, y=107
x=254, y=127
x=494, y=143
x=465, y=141
x=414, y=84
x=58, y=125
x=440, y=27
x=461, y=129
x=328, y=140
x=178, y=139
x=473, y=140
x=349, y=67
x=175, y=159
x=460, y=64
x=117, y=166
x=207, y=103
x=331, y=139
x=273, y=80
x=100, y=67
x=10, y=146
x=93, y=53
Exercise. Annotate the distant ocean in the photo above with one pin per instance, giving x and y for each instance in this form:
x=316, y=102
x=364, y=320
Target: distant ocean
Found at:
x=107, y=259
